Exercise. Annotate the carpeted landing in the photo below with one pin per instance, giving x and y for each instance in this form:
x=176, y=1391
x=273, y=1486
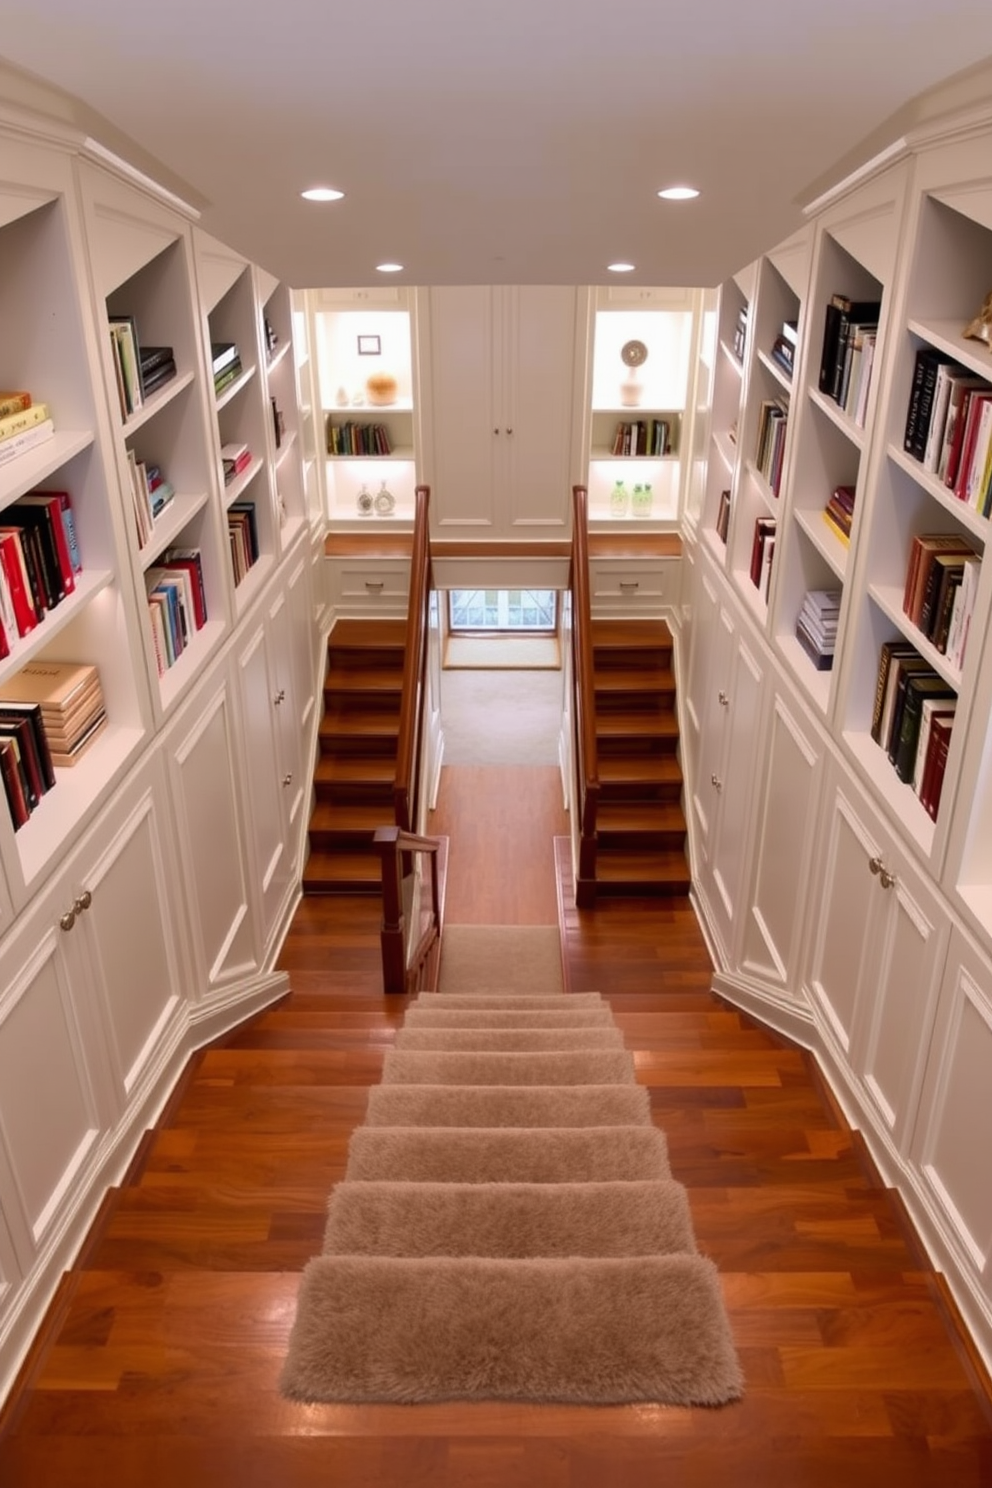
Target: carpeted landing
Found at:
x=508, y=1226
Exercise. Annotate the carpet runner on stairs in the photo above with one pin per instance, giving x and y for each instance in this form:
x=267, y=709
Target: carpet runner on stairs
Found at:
x=508, y=1226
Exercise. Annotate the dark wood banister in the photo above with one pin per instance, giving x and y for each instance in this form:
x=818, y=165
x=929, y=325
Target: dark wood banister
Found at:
x=587, y=763
x=403, y=972
x=409, y=739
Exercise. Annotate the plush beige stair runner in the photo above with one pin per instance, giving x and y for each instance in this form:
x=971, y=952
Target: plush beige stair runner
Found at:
x=508, y=1227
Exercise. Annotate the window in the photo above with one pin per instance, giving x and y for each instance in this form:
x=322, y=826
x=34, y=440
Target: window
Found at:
x=530, y=611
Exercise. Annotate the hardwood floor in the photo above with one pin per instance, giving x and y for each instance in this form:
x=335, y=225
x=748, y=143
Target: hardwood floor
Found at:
x=159, y=1362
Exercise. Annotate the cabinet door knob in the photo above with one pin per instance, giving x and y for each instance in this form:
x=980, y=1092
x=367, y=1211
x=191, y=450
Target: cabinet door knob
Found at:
x=715, y=780
x=280, y=696
x=874, y=865
x=495, y=431
x=886, y=879
x=67, y=921
x=83, y=902
x=288, y=779
x=509, y=431
x=723, y=699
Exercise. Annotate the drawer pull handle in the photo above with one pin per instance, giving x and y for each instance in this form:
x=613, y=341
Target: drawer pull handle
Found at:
x=375, y=588
x=629, y=583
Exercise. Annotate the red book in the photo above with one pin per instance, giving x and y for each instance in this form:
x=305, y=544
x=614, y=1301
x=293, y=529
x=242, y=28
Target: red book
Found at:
x=13, y=784
x=965, y=433
x=16, y=577
x=936, y=761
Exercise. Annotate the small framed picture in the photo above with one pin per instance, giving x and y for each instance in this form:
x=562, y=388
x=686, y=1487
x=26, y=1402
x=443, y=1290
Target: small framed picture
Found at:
x=368, y=346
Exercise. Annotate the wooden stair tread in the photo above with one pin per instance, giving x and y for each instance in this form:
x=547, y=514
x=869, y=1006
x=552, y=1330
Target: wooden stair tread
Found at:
x=635, y=869
x=347, y=872
x=654, y=769
x=345, y=769
x=349, y=817
x=640, y=816
x=627, y=633
x=368, y=634
x=657, y=723
x=647, y=681
x=363, y=679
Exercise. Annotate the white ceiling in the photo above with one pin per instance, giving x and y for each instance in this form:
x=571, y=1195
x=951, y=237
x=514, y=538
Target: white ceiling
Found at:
x=513, y=142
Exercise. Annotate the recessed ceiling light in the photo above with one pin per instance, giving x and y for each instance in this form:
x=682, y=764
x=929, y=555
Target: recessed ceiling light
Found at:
x=620, y=268
x=678, y=193
x=389, y=268
x=322, y=193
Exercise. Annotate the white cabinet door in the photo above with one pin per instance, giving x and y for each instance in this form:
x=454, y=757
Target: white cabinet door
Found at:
x=952, y=1139
x=538, y=343
x=877, y=958
x=706, y=706
x=502, y=400
x=792, y=756
x=464, y=411
x=267, y=818
x=205, y=775
x=739, y=775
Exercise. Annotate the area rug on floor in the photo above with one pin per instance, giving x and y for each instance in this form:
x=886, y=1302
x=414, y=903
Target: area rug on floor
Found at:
x=539, y=653
x=508, y=1227
x=510, y=717
x=477, y=960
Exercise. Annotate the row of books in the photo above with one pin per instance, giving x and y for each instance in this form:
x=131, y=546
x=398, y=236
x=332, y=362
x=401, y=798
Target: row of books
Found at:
x=773, y=420
x=243, y=534
x=850, y=331
x=235, y=457
x=740, y=333
x=177, y=603
x=723, y=516
x=351, y=438
x=839, y=513
x=949, y=427
x=150, y=493
x=225, y=364
x=39, y=561
x=23, y=424
x=912, y=720
x=939, y=594
x=140, y=370
x=50, y=713
x=650, y=437
x=762, y=555
x=783, y=351
x=816, y=626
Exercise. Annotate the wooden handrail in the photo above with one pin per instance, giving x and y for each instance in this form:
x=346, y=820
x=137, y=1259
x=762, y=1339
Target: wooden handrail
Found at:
x=403, y=970
x=587, y=762
x=408, y=741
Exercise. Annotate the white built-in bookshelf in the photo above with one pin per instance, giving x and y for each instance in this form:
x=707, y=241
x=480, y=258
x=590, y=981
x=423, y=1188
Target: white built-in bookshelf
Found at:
x=637, y=407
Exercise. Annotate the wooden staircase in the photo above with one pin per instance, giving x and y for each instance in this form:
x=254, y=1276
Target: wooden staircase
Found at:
x=356, y=768
x=640, y=826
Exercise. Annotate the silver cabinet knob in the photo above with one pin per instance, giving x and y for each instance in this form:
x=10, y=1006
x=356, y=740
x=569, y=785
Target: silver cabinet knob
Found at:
x=83, y=902
x=67, y=921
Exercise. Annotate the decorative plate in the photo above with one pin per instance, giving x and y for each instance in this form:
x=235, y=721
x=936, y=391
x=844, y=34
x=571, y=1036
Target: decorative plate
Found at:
x=366, y=502
x=633, y=353
x=385, y=503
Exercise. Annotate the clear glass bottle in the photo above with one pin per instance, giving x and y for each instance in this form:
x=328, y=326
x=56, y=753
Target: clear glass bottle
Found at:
x=618, y=500
x=643, y=500
x=385, y=501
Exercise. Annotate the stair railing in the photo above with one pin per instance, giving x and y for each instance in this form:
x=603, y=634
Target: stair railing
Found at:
x=411, y=910
x=586, y=759
x=406, y=790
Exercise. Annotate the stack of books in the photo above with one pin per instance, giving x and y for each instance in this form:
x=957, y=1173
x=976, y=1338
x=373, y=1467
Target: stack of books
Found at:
x=236, y=458
x=912, y=720
x=839, y=513
x=23, y=424
x=784, y=346
x=226, y=364
x=762, y=554
x=150, y=492
x=740, y=334
x=939, y=594
x=140, y=371
x=70, y=699
x=816, y=626
x=177, y=605
x=849, y=336
x=351, y=438
x=39, y=561
x=949, y=427
x=243, y=534
x=773, y=421
x=26, y=766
